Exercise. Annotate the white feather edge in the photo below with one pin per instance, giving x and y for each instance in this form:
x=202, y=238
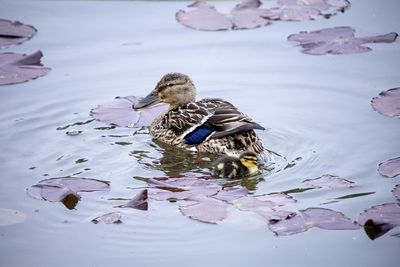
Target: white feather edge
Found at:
x=182, y=136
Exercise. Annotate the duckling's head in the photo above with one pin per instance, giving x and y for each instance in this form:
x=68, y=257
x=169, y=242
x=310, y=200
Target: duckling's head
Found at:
x=250, y=161
x=175, y=89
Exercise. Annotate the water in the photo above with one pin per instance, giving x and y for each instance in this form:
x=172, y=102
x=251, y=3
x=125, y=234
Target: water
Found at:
x=315, y=108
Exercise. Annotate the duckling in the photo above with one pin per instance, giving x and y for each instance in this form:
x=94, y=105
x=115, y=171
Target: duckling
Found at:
x=233, y=167
x=210, y=125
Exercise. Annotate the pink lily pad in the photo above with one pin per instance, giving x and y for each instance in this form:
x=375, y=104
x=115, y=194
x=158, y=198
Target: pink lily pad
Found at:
x=14, y=32
x=302, y=10
x=18, y=68
x=396, y=191
x=313, y=217
x=65, y=189
x=120, y=112
x=231, y=193
x=381, y=219
x=388, y=103
x=139, y=202
x=206, y=210
x=184, y=188
x=337, y=40
x=328, y=181
x=108, y=218
x=202, y=16
x=390, y=168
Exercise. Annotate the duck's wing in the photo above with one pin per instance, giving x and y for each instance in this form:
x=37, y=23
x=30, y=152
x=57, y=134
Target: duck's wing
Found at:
x=226, y=119
x=208, y=118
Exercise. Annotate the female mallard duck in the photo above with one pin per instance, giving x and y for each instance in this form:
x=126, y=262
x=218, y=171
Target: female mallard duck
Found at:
x=234, y=167
x=209, y=125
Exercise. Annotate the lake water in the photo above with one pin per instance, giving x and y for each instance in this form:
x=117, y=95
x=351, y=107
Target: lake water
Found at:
x=315, y=107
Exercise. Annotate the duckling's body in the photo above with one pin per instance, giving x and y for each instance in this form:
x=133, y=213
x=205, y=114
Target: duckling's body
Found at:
x=236, y=167
x=209, y=125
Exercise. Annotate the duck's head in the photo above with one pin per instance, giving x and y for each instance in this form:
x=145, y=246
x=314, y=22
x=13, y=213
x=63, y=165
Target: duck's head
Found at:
x=175, y=89
x=250, y=161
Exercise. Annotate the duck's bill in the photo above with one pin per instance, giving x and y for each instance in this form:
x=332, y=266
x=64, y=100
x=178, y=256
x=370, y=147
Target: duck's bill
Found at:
x=149, y=100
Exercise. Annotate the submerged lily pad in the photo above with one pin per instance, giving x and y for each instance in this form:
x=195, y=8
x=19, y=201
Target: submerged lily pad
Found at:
x=337, y=40
x=10, y=216
x=328, y=181
x=14, y=32
x=231, y=193
x=202, y=16
x=313, y=217
x=18, y=68
x=121, y=113
x=108, y=218
x=139, y=202
x=390, y=168
x=381, y=219
x=266, y=209
x=388, y=103
x=65, y=189
x=206, y=210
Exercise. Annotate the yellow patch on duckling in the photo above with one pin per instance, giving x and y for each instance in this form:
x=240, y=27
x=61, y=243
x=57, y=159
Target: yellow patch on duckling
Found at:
x=251, y=165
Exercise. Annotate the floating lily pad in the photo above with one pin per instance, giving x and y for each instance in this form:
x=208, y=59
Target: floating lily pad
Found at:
x=202, y=16
x=396, y=191
x=18, y=68
x=121, y=113
x=390, y=168
x=381, y=219
x=388, y=103
x=10, y=216
x=184, y=188
x=206, y=210
x=65, y=189
x=313, y=217
x=14, y=32
x=108, y=218
x=139, y=202
x=301, y=10
x=231, y=193
x=337, y=40
x=328, y=181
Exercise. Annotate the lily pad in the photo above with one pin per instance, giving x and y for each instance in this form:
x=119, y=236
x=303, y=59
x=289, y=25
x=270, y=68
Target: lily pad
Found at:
x=390, y=168
x=381, y=219
x=120, y=112
x=231, y=193
x=18, y=68
x=328, y=181
x=14, y=32
x=396, y=191
x=388, y=103
x=139, y=202
x=108, y=218
x=10, y=216
x=184, y=188
x=202, y=16
x=65, y=189
x=302, y=10
x=313, y=217
x=206, y=210
x=337, y=40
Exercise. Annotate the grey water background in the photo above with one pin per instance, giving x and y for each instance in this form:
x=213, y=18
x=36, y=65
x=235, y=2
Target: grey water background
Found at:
x=315, y=107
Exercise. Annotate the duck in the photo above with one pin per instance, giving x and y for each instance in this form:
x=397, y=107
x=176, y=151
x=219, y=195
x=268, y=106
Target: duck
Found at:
x=210, y=125
x=231, y=167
